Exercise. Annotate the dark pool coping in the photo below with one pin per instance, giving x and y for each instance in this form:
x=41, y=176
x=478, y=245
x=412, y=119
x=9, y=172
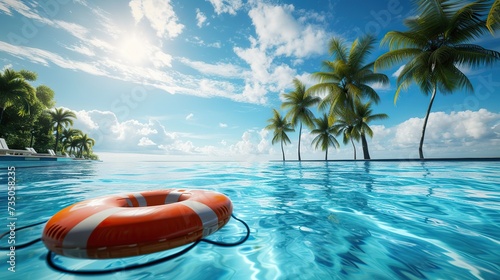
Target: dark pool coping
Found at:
x=397, y=159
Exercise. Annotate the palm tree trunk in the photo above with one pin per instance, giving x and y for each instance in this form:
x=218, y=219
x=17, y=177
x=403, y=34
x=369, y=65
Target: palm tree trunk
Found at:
x=282, y=150
x=57, y=140
x=354, y=148
x=1, y=114
x=300, y=133
x=326, y=154
x=366, y=154
x=420, y=148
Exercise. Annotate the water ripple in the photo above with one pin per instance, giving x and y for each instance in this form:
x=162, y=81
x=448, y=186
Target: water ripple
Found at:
x=314, y=220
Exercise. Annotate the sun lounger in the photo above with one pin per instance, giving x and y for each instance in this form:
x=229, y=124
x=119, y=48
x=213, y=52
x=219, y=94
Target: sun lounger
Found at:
x=4, y=149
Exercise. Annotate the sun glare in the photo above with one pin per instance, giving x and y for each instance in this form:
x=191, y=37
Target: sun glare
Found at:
x=133, y=49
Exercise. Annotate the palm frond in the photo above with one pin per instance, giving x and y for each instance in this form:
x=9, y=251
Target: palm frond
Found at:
x=474, y=55
x=397, y=40
x=467, y=24
x=338, y=49
x=396, y=57
x=360, y=49
x=493, y=20
x=451, y=78
x=440, y=56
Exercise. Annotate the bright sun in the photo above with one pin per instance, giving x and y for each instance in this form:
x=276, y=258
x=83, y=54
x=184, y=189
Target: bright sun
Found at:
x=133, y=49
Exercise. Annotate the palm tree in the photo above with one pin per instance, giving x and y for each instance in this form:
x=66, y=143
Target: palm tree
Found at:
x=299, y=102
x=363, y=117
x=73, y=146
x=325, y=132
x=345, y=124
x=85, y=143
x=348, y=77
x=493, y=20
x=60, y=119
x=14, y=88
x=435, y=46
x=67, y=137
x=280, y=126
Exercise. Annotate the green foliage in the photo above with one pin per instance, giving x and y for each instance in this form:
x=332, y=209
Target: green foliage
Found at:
x=46, y=96
x=61, y=118
x=348, y=77
x=298, y=102
x=280, y=127
x=324, y=132
x=437, y=41
x=436, y=45
x=93, y=157
x=16, y=90
x=43, y=133
x=493, y=20
x=28, y=120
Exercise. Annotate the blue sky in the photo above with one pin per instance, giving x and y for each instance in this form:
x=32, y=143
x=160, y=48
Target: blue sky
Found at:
x=198, y=79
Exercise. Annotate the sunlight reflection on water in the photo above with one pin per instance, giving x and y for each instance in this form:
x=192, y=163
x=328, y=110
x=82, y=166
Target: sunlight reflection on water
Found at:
x=309, y=220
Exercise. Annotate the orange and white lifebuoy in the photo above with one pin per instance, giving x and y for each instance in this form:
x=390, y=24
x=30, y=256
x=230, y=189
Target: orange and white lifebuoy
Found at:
x=134, y=224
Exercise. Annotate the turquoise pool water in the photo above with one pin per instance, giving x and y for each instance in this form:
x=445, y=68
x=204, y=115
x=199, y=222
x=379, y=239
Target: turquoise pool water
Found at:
x=309, y=220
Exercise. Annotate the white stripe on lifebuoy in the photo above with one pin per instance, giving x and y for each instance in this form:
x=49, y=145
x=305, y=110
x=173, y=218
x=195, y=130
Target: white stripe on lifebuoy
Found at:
x=207, y=215
x=173, y=197
x=140, y=199
x=129, y=202
x=79, y=235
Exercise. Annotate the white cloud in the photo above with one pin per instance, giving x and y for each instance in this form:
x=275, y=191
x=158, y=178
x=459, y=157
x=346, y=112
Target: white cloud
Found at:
x=161, y=59
x=281, y=77
x=110, y=51
x=258, y=60
x=218, y=69
x=21, y=8
x=85, y=50
x=278, y=29
x=31, y=13
x=216, y=45
x=44, y=57
x=144, y=141
x=396, y=74
x=222, y=125
x=85, y=120
x=252, y=143
x=380, y=86
x=254, y=92
x=74, y=29
x=127, y=136
x=216, y=88
x=226, y=6
x=455, y=134
x=132, y=136
x=190, y=116
x=7, y=66
x=279, y=33
x=264, y=75
x=160, y=15
x=200, y=18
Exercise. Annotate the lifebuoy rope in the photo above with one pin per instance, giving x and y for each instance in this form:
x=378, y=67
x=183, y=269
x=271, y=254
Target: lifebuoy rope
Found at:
x=59, y=268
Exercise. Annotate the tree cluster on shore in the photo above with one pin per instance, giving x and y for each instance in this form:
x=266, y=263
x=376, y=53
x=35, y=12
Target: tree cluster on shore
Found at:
x=28, y=118
x=437, y=44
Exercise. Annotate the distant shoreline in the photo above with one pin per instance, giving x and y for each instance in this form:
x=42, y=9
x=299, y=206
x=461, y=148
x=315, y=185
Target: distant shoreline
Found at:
x=396, y=159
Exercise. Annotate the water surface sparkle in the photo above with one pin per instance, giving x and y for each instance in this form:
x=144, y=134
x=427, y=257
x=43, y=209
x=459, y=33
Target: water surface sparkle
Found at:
x=309, y=220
